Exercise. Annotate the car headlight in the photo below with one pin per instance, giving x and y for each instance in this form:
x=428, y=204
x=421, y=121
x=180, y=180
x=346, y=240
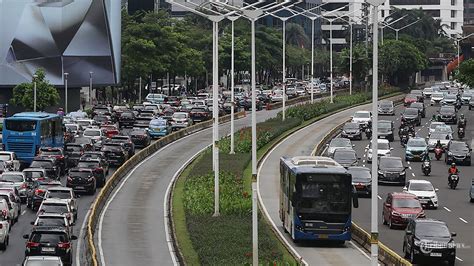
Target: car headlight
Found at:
x=450, y=153
x=408, y=152
x=344, y=132
x=396, y=213
x=380, y=172
x=403, y=173
x=417, y=242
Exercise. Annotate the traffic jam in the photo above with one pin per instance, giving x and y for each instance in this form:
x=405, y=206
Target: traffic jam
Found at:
x=426, y=189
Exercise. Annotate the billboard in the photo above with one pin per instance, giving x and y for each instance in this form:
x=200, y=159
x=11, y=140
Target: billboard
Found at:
x=73, y=36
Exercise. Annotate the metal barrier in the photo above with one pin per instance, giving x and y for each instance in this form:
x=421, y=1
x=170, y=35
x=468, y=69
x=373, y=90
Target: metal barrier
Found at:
x=122, y=171
x=359, y=235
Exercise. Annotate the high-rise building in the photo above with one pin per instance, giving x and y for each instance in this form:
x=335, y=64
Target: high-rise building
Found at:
x=450, y=12
x=468, y=12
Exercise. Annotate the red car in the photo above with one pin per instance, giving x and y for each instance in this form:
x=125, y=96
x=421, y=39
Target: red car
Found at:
x=399, y=208
x=110, y=130
x=409, y=99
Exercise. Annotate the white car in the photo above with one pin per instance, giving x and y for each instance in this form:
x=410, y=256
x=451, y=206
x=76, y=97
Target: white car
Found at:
x=444, y=139
x=364, y=118
x=42, y=260
x=338, y=143
x=95, y=134
x=425, y=192
x=436, y=98
x=13, y=205
x=4, y=224
x=384, y=149
x=18, y=180
x=181, y=120
x=433, y=126
x=10, y=159
x=57, y=206
x=427, y=92
x=63, y=193
x=85, y=123
x=444, y=129
x=277, y=96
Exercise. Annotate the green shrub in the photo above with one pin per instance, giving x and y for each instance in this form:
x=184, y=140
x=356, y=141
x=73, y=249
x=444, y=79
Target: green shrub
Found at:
x=232, y=163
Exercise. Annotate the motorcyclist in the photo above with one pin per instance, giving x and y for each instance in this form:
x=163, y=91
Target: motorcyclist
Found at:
x=60, y=112
x=438, y=145
x=453, y=170
x=462, y=121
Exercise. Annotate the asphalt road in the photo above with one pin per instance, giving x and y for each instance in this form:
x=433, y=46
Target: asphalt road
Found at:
x=302, y=143
x=454, y=206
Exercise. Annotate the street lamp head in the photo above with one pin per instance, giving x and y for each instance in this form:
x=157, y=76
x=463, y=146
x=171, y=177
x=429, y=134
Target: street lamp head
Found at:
x=35, y=76
x=66, y=74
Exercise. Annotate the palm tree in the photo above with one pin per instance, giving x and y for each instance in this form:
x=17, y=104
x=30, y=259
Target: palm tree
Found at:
x=295, y=35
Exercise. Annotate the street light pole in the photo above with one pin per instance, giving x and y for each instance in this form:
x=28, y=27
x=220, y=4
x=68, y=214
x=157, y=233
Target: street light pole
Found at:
x=90, y=87
x=34, y=92
x=350, y=61
x=312, y=58
x=140, y=90
x=232, y=97
x=65, y=91
x=330, y=57
x=284, y=69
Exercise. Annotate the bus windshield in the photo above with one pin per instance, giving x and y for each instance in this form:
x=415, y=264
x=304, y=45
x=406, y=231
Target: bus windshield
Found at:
x=20, y=125
x=323, y=194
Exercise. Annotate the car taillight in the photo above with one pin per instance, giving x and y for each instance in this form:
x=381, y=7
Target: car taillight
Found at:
x=32, y=244
x=69, y=178
x=64, y=245
x=99, y=169
x=24, y=185
x=39, y=192
x=60, y=157
x=4, y=213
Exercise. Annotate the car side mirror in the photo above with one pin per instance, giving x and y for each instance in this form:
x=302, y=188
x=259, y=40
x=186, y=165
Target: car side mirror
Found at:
x=391, y=149
x=409, y=232
x=453, y=234
x=355, y=198
x=406, y=167
x=436, y=189
x=32, y=223
x=26, y=236
x=405, y=188
x=73, y=237
x=388, y=205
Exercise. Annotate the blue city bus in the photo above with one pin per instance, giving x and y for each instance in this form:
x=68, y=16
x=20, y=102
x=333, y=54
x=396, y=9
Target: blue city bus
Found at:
x=315, y=199
x=25, y=133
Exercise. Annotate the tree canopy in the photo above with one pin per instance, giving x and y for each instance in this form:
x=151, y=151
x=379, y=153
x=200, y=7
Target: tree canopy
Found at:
x=465, y=74
x=46, y=94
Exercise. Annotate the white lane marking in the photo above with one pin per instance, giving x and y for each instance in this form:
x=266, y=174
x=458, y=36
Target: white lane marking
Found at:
x=169, y=241
x=23, y=212
x=364, y=155
x=81, y=236
x=102, y=215
x=363, y=165
x=359, y=249
x=397, y=119
x=408, y=162
x=363, y=161
x=409, y=167
x=413, y=174
x=464, y=221
x=458, y=258
x=378, y=196
x=447, y=209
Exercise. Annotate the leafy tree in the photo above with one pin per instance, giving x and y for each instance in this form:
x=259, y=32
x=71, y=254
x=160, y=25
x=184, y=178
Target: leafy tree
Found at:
x=295, y=35
x=360, y=62
x=46, y=94
x=466, y=73
x=426, y=28
x=399, y=60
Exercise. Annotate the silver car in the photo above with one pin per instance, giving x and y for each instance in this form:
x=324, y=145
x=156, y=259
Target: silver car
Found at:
x=338, y=143
x=18, y=180
x=42, y=260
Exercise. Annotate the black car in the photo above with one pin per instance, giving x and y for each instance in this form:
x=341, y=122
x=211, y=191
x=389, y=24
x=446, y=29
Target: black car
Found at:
x=50, y=164
x=74, y=151
x=391, y=170
x=346, y=157
x=429, y=239
x=447, y=114
x=411, y=116
x=57, y=153
x=385, y=130
x=471, y=191
x=351, y=130
x=39, y=188
x=140, y=137
x=82, y=179
x=199, y=114
x=361, y=179
x=126, y=119
x=115, y=153
x=50, y=241
x=449, y=99
x=458, y=152
x=142, y=122
x=471, y=103
x=421, y=107
x=127, y=141
x=100, y=168
x=246, y=103
x=86, y=143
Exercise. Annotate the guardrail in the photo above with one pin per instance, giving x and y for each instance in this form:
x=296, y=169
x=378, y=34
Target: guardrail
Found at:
x=122, y=171
x=359, y=235
x=302, y=99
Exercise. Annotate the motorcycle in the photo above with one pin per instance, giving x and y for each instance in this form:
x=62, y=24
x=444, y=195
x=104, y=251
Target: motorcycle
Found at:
x=453, y=180
x=403, y=140
x=438, y=153
x=458, y=105
x=461, y=133
x=368, y=133
x=426, y=168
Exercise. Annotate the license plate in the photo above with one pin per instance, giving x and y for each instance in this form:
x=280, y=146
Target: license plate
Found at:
x=79, y=187
x=435, y=254
x=382, y=136
x=47, y=249
x=323, y=236
x=359, y=186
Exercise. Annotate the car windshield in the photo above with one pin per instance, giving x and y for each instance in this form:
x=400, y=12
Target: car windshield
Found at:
x=416, y=105
x=33, y=174
x=340, y=142
x=54, y=208
x=73, y=148
x=443, y=128
x=59, y=194
x=406, y=203
x=84, y=123
x=5, y=157
x=72, y=127
x=111, y=148
x=434, y=125
x=429, y=229
x=88, y=164
x=158, y=123
x=92, y=133
x=384, y=124
x=138, y=132
x=360, y=175
x=127, y=115
x=11, y=178
x=50, y=221
x=82, y=141
x=362, y=115
x=50, y=152
x=351, y=126
x=41, y=164
x=390, y=163
x=421, y=187
x=411, y=111
x=20, y=125
x=344, y=155
x=386, y=104
x=179, y=116
x=447, y=110
x=450, y=97
x=416, y=143
x=437, y=94
x=48, y=238
x=82, y=174
x=383, y=146
x=458, y=146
